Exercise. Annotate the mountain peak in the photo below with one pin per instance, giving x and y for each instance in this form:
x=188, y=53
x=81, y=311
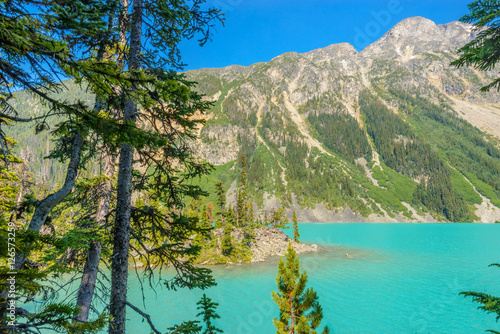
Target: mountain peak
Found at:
x=411, y=26
x=419, y=34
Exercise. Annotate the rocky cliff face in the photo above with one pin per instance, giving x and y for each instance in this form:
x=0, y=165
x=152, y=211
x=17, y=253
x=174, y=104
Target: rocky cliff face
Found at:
x=276, y=113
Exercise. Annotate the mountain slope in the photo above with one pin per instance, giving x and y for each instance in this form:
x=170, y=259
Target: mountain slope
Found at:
x=391, y=133
x=382, y=134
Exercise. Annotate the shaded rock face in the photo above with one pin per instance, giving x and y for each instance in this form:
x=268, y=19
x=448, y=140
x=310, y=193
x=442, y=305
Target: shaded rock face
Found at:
x=268, y=242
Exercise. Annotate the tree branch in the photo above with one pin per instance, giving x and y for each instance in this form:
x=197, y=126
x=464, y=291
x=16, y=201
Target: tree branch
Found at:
x=144, y=315
x=45, y=206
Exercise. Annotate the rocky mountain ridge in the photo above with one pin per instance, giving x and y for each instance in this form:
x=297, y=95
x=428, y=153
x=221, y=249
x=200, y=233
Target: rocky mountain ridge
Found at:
x=391, y=133
x=274, y=110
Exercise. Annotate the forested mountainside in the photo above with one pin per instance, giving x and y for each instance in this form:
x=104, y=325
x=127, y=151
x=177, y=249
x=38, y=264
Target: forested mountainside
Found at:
x=35, y=142
x=392, y=133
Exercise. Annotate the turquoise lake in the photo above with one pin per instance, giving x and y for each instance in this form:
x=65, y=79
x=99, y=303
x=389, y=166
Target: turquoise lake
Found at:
x=404, y=278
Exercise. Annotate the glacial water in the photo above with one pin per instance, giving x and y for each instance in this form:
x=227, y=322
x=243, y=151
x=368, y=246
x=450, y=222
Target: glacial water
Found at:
x=404, y=278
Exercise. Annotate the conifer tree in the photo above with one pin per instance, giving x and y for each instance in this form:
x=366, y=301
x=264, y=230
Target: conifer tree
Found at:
x=166, y=99
x=40, y=50
x=166, y=95
x=31, y=284
x=482, y=52
x=250, y=213
x=300, y=311
x=279, y=219
x=210, y=213
x=207, y=310
x=490, y=304
x=241, y=205
x=230, y=216
x=227, y=244
x=248, y=227
x=204, y=222
x=295, y=226
x=221, y=202
x=208, y=314
x=121, y=232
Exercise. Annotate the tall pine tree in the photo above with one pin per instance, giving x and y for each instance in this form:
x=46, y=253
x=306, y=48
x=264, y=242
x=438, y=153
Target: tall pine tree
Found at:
x=208, y=312
x=300, y=311
x=295, y=226
x=241, y=206
x=221, y=202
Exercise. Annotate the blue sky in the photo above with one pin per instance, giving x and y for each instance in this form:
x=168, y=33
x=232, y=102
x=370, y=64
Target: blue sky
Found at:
x=259, y=30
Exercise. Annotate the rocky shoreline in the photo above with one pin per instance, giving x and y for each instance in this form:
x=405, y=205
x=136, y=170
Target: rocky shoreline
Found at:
x=269, y=241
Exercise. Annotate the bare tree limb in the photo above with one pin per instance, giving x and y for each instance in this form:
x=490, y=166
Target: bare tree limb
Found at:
x=144, y=315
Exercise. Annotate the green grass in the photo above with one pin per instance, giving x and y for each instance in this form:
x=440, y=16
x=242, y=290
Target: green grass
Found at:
x=380, y=176
x=399, y=188
x=223, y=173
x=464, y=188
x=484, y=189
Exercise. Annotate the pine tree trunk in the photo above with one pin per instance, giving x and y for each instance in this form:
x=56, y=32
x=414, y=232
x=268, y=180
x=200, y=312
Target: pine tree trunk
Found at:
x=45, y=206
x=90, y=270
x=292, y=314
x=119, y=264
x=89, y=278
